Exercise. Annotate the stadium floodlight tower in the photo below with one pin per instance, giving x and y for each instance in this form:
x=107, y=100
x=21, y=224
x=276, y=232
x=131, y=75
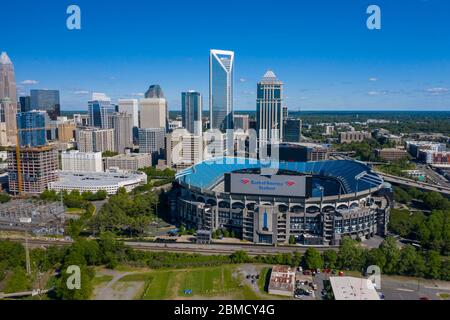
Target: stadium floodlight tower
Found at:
x=26, y=222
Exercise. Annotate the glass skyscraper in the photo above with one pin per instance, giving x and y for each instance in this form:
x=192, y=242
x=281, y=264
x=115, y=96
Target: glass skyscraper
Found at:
x=46, y=100
x=191, y=112
x=221, y=65
x=269, y=115
x=100, y=111
x=31, y=127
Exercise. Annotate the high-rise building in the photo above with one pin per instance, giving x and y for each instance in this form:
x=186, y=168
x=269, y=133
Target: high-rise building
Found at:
x=95, y=140
x=46, y=100
x=130, y=106
x=122, y=123
x=31, y=126
x=77, y=161
x=241, y=121
x=66, y=130
x=269, y=114
x=155, y=91
x=183, y=149
x=285, y=112
x=292, y=130
x=38, y=165
x=8, y=114
x=7, y=79
x=191, y=112
x=153, y=113
x=25, y=103
x=100, y=109
x=151, y=140
x=221, y=66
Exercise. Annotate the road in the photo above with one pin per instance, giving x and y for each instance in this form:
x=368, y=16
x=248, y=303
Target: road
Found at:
x=412, y=183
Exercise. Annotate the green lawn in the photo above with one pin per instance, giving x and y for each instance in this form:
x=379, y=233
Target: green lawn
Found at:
x=208, y=282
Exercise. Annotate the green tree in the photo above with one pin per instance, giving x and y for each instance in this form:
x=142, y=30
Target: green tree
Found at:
x=313, y=259
x=18, y=282
x=350, y=255
x=433, y=265
x=292, y=240
x=239, y=257
x=330, y=258
x=391, y=252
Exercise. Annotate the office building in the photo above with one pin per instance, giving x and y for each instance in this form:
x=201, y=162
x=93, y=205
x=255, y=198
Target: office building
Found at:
x=298, y=152
x=241, y=121
x=46, y=100
x=221, y=69
x=31, y=126
x=100, y=110
x=292, y=130
x=130, y=106
x=175, y=124
x=7, y=79
x=25, y=103
x=122, y=123
x=152, y=140
x=354, y=136
x=329, y=130
x=153, y=113
x=155, y=92
x=66, y=130
x=437, y=158
x=81, y=120
x=8, y=115
x=191, y=112
x=391, y=154
x=269, y=114
x=3, y=135
x=93, y=182
x=77, y=161
x=285, y=112
x=415, y=147
x=95, y=140
x=183, y=150
x=130, y=161
x=39, y=167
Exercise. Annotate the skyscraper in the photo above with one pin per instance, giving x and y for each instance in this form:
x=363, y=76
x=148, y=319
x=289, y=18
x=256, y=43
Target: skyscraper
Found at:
x=151, y=140
x=269, y=114
x=221, y=65
x=153, y=113
x=46, y=100
x=191, y=112
x=130, y=106
x=122, y=123
x=155, y=91
x=100, y=110
x=241, y=121
x=8, y=113
x=25, y=104
x=31, y=126
x=7, y=79
x=292, y=130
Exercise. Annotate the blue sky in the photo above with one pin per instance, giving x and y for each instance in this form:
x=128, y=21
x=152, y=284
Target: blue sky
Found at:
x=321, y=49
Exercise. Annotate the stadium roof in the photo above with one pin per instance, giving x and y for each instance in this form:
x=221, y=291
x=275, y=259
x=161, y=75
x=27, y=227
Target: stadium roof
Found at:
x=335, y=176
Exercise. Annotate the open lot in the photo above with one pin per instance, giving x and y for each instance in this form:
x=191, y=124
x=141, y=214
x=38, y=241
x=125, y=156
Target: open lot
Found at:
x=223, y=282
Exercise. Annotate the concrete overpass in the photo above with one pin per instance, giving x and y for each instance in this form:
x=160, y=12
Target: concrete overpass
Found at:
x=395, y=180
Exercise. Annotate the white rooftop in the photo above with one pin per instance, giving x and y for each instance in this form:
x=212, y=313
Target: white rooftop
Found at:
x=350, y=288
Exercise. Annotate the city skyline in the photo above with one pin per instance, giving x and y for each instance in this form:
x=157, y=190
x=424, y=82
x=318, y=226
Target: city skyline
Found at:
x=328, y=59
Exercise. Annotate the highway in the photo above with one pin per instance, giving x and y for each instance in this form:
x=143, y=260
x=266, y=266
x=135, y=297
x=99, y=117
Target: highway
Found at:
x=412, y=183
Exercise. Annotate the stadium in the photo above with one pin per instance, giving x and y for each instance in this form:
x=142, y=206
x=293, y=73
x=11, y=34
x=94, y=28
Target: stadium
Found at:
x=311, y=203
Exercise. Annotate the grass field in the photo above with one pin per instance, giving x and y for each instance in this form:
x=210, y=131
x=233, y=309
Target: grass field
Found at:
x=204, y=282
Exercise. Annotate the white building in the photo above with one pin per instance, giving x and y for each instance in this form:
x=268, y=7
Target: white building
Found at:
x=76, y=161
x=130, y=106
x=153, y=113
x=183, y=149
x=130, y=161
x=350, y=288
x=95, y=181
